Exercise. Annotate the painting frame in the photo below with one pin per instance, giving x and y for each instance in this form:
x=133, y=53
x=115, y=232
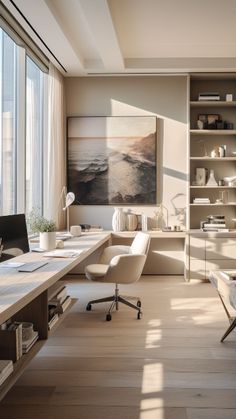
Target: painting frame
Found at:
x=134, y=133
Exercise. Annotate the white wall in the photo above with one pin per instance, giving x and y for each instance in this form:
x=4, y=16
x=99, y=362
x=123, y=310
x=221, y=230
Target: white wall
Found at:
x=163, y=96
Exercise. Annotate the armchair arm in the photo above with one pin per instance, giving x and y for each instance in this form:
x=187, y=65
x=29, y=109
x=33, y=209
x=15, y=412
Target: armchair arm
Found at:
x=111, y=251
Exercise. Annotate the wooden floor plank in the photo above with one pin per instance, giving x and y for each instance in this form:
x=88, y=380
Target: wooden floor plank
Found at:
x=169, y=365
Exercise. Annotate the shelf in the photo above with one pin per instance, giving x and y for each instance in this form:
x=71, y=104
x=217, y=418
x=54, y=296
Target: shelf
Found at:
x=211, y=187
x=62, y=316
x=232, y=204
x=19, y=366
x=214, y=158
x=217, y=104
x=213, y=131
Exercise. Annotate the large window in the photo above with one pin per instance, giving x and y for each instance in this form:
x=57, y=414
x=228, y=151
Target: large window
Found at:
x=22, y=85
x=8, y=157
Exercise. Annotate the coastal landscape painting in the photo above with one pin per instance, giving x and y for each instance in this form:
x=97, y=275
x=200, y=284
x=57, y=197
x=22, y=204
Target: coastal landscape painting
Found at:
x=112, y=160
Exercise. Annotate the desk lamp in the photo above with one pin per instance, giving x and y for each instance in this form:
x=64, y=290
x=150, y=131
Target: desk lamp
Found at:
x=68, y=199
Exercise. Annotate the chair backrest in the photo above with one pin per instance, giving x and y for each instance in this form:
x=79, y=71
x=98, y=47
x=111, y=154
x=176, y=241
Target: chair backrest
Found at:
x=125, y=269
x=140, y=244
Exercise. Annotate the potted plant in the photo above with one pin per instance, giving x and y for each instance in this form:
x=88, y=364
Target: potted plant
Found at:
x=46, y=229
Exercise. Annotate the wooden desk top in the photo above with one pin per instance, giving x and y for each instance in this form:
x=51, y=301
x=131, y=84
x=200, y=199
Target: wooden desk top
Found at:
x=17, y=289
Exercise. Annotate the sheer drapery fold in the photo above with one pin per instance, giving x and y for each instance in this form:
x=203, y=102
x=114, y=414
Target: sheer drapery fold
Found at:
x=56, y=148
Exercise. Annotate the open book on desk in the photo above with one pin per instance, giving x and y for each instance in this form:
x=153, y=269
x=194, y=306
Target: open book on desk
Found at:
x=62, y=253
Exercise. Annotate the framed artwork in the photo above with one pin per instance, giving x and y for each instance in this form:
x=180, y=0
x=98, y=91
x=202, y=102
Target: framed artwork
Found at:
x=112, y=160
x=209, y=120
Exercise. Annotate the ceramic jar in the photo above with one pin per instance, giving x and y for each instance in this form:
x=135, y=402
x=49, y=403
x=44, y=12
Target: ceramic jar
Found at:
x=118, y=220
x=131, y=222
x=47, y=240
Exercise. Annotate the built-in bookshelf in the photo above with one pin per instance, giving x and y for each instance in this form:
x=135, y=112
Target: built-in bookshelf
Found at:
x=206, y=140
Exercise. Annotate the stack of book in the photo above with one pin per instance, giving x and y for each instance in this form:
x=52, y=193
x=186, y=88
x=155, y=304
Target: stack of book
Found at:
x=208, y=96
x=6, y=368
x=201, y=201
x=214, y=223
x=57, y=304
x=27, y=344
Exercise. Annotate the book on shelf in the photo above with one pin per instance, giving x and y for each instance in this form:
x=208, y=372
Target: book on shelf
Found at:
x=60, y=297
x=209, y=96
x=6, y=368
x=211, y=225
x=53, y=321
x=60, y=308
x=11, y=342
x=27, y=344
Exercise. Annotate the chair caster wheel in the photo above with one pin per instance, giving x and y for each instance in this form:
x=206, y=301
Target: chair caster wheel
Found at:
x=139, y=316
x=108, y=317
x=89, y=307
x=139, y=304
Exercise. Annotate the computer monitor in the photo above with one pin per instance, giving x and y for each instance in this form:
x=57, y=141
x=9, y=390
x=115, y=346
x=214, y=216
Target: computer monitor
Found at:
x=13, y=232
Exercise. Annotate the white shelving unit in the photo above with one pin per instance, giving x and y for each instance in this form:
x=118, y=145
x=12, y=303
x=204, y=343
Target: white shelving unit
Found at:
x=203, y=141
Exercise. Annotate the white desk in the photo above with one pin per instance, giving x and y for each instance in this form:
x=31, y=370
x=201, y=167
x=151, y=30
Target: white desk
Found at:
x=24, y=296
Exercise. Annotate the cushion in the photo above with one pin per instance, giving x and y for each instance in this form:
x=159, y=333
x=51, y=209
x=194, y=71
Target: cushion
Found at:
x=96, y=271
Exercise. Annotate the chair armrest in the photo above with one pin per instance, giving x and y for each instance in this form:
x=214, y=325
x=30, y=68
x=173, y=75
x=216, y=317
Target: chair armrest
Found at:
x=111, y=251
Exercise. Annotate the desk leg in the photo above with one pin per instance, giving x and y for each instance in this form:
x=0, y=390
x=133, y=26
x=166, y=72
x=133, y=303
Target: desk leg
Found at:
x=232, y=320
x=230, y=328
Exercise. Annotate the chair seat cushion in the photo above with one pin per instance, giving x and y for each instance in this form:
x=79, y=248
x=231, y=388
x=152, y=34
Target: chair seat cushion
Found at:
x=96, y=271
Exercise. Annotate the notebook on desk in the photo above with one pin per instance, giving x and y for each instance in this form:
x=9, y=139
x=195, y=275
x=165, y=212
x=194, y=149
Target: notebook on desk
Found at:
x=61, y=253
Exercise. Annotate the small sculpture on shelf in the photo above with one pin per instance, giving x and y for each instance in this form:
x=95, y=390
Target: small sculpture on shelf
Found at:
x=211, y=180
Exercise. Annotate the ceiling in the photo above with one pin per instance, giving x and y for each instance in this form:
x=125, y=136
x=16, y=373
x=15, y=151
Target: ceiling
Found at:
x=90, y=37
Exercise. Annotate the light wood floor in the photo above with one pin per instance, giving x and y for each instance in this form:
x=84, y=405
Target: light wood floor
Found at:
x=169, y=365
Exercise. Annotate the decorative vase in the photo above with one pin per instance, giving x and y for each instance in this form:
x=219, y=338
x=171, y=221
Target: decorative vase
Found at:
x=47, y=240
x=118, y=220
x=131, y=222
x=211, y=181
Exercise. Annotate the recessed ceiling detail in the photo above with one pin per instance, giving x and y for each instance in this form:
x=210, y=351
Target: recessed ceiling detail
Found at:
x=133, y=36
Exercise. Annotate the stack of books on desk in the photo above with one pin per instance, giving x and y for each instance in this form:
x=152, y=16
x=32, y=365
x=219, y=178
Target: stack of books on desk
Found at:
x=208, y=96
x=6, y=368
x=27, y=344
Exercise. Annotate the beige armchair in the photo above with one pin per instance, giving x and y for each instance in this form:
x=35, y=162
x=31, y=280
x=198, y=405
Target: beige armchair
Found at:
x=120, y=265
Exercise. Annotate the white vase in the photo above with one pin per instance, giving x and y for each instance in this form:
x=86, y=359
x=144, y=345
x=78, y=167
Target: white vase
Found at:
x=131, y=222
x=211, y=181
x=47, y=240
x=118, y=220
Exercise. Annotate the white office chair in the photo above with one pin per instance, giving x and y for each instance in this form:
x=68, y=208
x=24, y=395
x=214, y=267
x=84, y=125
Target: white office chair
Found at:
x=120, y=265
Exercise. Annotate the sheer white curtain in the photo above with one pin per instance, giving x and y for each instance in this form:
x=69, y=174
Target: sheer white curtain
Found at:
x=56, y=148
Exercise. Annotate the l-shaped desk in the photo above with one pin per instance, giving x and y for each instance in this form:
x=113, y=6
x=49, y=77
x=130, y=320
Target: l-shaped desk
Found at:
x=24, y=295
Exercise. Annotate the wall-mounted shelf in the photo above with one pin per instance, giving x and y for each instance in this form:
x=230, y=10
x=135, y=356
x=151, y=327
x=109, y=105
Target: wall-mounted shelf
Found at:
x=213, y=131
x=222, y=159
x=230, y=204
x=212, y=104
x=211, y=187
x=204, y=141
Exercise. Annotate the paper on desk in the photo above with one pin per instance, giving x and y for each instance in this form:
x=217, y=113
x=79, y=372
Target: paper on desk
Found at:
x=11, y=264
x=63, y=253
